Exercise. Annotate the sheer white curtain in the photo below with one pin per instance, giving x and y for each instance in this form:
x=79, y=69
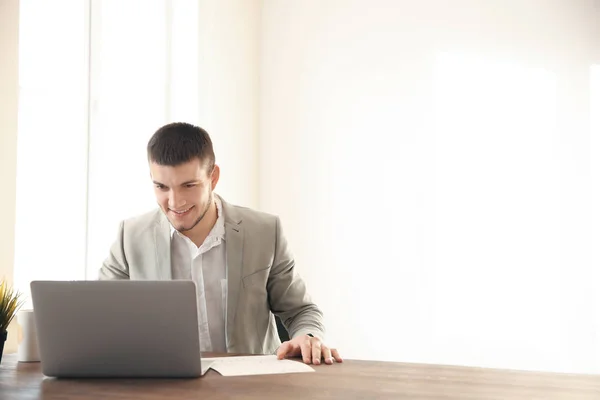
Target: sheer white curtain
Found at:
x=50, y=231
x=159, y=61
x=97, y=78
x=143, y=70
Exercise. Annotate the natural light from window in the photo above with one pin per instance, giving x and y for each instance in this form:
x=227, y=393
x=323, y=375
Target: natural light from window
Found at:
x=50, y=231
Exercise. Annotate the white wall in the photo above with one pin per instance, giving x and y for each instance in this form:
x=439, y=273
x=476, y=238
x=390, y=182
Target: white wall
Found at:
x=431, y=162
x=9, y=90
x=229, y=32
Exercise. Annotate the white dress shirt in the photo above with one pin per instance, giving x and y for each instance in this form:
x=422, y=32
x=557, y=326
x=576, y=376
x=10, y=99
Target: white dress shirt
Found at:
x=207, y=267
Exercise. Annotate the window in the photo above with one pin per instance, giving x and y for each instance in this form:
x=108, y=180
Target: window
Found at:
x=50, y=231
x=93, y=89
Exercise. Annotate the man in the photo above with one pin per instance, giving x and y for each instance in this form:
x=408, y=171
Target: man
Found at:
x=238, y=258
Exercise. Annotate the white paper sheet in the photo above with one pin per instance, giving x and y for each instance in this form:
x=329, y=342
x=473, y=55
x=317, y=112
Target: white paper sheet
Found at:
x=206, y=365
x=255, y=365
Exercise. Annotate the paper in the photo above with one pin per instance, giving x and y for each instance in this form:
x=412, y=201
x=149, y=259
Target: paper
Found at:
x=206, y=365
x=255, y=365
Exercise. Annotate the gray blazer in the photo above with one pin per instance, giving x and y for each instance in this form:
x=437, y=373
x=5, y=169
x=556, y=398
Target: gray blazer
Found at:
x=261, y=277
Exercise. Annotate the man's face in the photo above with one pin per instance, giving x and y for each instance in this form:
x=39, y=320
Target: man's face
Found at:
x=185, y=192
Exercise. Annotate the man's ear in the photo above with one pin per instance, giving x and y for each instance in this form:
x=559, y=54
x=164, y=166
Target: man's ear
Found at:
x=214, y=177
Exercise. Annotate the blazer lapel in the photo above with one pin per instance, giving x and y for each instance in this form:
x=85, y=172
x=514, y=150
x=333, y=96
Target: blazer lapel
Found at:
x=162, y=247
x=234, y=239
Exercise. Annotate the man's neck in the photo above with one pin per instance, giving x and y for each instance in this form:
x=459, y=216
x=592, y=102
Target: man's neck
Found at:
x=201, y=231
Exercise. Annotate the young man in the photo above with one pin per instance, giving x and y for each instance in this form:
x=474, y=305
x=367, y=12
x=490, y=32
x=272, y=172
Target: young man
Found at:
x=239, y=258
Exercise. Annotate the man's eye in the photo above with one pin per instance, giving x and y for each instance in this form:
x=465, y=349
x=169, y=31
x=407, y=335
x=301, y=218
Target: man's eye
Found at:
x=161, y=187
x=190, y=185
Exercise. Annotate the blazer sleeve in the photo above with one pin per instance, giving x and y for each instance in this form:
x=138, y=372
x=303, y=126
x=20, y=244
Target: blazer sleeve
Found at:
x=288, y=296
x=115, y=266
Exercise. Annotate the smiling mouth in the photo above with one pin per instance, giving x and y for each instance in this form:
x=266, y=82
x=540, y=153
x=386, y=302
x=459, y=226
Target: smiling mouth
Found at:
x=181, y=213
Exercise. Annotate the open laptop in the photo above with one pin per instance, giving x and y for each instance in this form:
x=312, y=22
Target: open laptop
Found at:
x=117, y=329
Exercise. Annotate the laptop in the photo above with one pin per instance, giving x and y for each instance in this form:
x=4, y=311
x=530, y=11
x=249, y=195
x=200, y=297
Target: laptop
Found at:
x=117, y=329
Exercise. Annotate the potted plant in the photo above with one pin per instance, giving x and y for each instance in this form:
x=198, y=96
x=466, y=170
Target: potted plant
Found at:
x=10, y=303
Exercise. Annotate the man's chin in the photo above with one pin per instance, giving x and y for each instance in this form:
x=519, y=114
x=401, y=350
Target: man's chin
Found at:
x=180, y=227
x=185, y=224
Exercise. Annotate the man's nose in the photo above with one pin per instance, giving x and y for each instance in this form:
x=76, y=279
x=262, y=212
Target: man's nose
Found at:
x=175, y=200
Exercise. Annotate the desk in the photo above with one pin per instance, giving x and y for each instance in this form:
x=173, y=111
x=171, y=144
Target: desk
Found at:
x=349, y=380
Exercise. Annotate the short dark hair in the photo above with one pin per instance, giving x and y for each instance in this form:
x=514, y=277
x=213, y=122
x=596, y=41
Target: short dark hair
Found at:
x=179, y=142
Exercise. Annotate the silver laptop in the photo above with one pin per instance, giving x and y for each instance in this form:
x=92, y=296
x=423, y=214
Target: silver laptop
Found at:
x=120, y=329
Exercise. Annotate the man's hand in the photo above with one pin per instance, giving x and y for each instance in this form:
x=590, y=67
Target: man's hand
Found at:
x=310, y=348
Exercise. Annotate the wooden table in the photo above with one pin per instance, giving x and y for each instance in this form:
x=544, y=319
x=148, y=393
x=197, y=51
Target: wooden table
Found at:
x=349, y=380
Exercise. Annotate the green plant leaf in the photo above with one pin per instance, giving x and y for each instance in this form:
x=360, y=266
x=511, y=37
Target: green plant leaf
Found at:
x=10, y=303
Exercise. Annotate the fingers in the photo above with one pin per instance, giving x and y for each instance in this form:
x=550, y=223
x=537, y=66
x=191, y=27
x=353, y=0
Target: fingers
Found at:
x=306, y=351
x=336, y=355
x=311, y=350
x=316, y=351
x=326, y=355
x=284, y=349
